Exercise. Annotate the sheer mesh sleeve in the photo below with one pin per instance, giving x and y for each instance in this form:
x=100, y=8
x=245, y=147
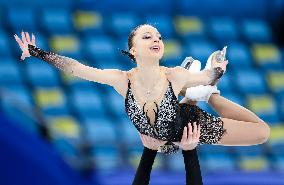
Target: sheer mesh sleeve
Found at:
x=65, y=64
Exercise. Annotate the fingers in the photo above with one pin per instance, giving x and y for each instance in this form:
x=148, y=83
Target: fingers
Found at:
x=18, y=41
x=28, y=37
x=141, y=137
x=198, y=132
x=33, y=39
x=24, y=38
x=184, y=135
x=194, y=135
x=190, y=134
x=23, y=56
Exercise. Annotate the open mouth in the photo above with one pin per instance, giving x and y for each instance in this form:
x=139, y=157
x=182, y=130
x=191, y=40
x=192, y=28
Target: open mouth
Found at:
x=155, y=48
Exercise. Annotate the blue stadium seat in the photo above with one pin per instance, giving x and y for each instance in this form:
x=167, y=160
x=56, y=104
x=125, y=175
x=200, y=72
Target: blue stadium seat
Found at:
x=22, y=19
x=87, y=103
x=106, y=157
x=10, y=73
x=276, y=148
x=280, y=104
x=175, y=162
x=16, y=102
x=221, y=162
x=249, y=81
x=207, y=149
x=100, y=48
x=163, y=23
x=278, y=163
x=65, y=147
x=224, y=85
x=242, y=151
x=239, y=56
x=56, y=21
x=41, y=41
x=121, y=24
x=116, y=104
x=5, y=49
x=41, y=74
x=74, y=82
x=17, y=95
x=200, y=49
x=100, y=131
x=108, y=64
x=256, y=31
x=129, y=133
x=223, y=30
x=234, y=97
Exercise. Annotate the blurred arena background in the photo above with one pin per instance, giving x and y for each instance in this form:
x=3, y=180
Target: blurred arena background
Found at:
x=57, y=129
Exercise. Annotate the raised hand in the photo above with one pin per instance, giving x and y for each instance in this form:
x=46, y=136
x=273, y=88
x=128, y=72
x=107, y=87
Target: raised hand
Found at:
x=24, y=43
x=190, y=138
x=151, y=143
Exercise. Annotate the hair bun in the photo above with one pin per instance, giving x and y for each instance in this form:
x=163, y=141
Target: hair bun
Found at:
x=127, y=53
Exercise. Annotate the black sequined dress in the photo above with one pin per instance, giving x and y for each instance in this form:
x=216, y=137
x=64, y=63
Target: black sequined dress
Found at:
x=171, y=118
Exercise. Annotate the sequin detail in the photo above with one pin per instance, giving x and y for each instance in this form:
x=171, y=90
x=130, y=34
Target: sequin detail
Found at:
x=212, y=127
x=172, y=118
x=63, y=63
x=165, y=116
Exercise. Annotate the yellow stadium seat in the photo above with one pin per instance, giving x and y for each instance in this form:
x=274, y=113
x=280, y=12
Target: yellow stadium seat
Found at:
x=87, y=19
x=188, y=25
x=64, y=126
x=66, y=44
x=276, y=134
x=172, y=49
x=261, y=104
x=275, y=80
x=256, y=163
x=263, y=53
x=49, y=97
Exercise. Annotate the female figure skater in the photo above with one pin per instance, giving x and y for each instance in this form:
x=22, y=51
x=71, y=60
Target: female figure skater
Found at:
x=149, y=83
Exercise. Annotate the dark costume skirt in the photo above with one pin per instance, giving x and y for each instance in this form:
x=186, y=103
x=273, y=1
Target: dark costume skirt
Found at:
x=211, y=131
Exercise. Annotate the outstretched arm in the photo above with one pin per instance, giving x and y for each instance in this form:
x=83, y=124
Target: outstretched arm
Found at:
x=110, y=77
x=208, y=76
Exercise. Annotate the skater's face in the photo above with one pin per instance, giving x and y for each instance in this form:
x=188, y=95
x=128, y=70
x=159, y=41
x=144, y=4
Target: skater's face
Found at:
x=147, y=43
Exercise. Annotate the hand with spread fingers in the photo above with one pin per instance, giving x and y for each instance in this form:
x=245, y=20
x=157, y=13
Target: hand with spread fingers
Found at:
x=151, y=143
x=190, y=137
x=24, y=43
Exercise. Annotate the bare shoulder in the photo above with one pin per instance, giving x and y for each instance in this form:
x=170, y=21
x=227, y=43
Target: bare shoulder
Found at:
x=122, y=85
